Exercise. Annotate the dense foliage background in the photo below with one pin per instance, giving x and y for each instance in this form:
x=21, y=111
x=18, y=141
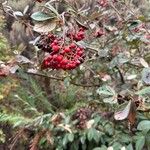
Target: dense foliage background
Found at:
x=75, y=75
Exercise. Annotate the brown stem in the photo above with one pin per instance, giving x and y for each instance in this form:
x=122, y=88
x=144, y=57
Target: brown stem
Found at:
x=121, y=75
x=62, y=79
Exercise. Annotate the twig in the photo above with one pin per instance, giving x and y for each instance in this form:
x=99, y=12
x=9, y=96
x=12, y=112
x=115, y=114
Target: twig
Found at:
x=114, y=8
x=121, y=75
x=62, y=79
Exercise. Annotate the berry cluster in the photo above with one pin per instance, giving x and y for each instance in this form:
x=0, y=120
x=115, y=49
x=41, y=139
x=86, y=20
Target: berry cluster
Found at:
x=82, y=115
x=45, y=42
x=60, y=56
x=78, y=36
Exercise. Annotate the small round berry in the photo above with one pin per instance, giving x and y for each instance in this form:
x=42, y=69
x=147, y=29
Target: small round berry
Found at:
x=64, y=62
x=77, y=62
x=55, y=42
x=54, y=57
x=59, y=58
x=81, y=29
x=78, y=49
x=72, y=45
x=80, y=34
x=79, y=53
x=49, y=58
x=52, y=44
x=55, y=48
x=67, y=50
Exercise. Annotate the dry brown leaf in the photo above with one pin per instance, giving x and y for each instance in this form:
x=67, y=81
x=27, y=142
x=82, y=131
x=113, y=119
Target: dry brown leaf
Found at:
x=45, y=27
x=36, y=139
x=132, y=114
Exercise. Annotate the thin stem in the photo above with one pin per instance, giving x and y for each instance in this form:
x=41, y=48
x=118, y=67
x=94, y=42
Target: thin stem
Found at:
x=121, y=75
x=62, y=79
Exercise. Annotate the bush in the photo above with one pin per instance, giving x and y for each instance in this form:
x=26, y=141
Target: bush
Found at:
x=87, y=85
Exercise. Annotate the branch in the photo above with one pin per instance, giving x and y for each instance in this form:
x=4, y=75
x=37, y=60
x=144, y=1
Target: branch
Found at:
x=121, y=75
x=62, y=79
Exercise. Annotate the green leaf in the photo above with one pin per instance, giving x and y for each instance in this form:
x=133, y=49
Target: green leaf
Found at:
x=93, y=134
x=40, y=16
x=146, y=75
x=100, y=148
x=65, y=140
x=144, y=91
x=110, y=100
x=109, y=129
x=125, y=138
x=67, y=81
x=83, y=139
x=109, y=93
x=75, y=145
x=117, y=146
x=51, y=8
x=140, y=143
x=97, y=136
x=144, y=125
x=119, y=60
x=129, y=147
x=106, y=90
x=90, y=134
x=97, y=148
x=70, y=137
x=134, y=24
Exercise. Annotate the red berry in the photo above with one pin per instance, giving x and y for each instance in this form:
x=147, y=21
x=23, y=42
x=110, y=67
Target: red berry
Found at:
x=67, y=50
x=77, y=38
x=47, y=63
x=64, y=62
x=72, y=45
x=59, y=58
x=55, y=42
x=72, y=65
x=49, y=58
x=52, y=44
x=78, y=62
x=55, y=48
x=80, y=53
x=80, y=34
x=62, y=52
x=54, y=57
x=81, y=29
x=78, y=49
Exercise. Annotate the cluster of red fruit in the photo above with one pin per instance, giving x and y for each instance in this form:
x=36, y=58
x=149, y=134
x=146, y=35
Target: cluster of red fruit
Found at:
x=66, y=57
x=80, y=35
